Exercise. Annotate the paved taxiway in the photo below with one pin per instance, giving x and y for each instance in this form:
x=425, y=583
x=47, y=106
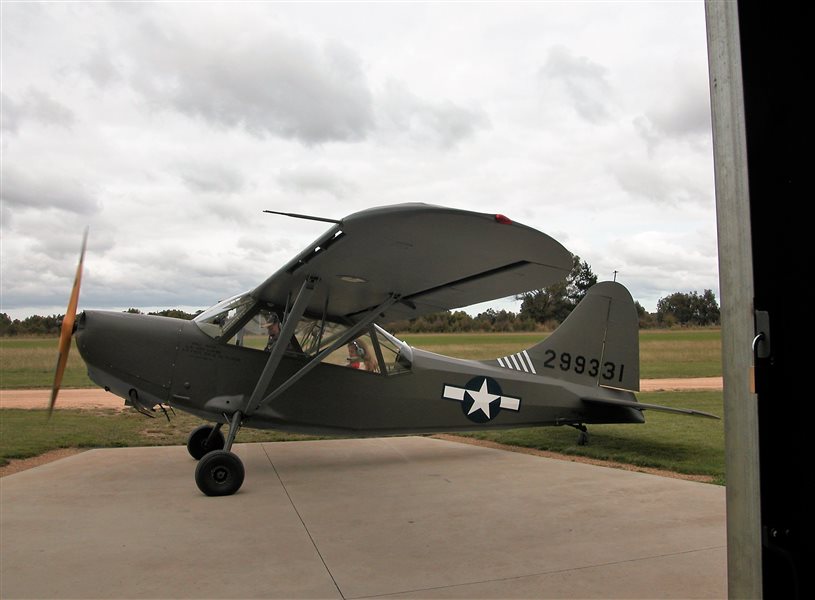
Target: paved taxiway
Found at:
x=407, y=517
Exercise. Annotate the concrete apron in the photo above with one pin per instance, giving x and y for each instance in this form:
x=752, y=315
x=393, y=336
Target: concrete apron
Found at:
x=407, y=517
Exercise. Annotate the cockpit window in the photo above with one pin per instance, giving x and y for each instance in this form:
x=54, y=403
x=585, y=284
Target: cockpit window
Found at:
x=220, y=318
x=243, y=321
x=357, y=354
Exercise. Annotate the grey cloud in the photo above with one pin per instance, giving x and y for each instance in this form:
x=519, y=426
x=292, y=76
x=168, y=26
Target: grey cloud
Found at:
x=658, y=184
x=443, y=122
x=10, y=116
x=272, y=85
x=308, y=180
x=686, y=114
x=584, y=81
x=37, y=106
x=209, y=178
x=36, y=191
x=99, y=67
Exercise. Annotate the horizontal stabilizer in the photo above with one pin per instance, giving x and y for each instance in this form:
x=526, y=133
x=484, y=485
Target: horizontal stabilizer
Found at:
x=643, y=406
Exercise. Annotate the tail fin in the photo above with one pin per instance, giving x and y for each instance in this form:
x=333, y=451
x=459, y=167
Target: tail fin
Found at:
x=598, y=344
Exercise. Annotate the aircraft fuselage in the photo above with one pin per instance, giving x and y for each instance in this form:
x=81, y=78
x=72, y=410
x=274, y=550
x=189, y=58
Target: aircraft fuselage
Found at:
x=172, y=361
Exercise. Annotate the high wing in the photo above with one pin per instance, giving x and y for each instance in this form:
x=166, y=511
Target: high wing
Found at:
x=432, y=258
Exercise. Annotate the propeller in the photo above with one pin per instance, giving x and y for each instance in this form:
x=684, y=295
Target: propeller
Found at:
x=67, y=329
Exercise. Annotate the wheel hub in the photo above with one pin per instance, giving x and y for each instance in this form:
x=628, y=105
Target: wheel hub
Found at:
x=220, y=474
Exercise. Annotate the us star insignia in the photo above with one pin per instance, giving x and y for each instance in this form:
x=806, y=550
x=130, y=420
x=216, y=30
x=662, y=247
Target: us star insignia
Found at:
x=481, y=399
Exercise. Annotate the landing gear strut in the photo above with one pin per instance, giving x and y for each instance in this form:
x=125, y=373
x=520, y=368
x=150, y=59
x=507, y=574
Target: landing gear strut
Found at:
x=219, y=471
x=582, y=434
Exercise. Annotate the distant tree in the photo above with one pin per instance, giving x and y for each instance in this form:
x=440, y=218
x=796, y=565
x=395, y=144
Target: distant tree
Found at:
x=546, y=304
x=175, y=313
x=556, y=302
x=580, y=279
x=5, y=324
x=645, y=318
x=706, y=309
x=688, y=309
x=39, y=325
x=133, y=311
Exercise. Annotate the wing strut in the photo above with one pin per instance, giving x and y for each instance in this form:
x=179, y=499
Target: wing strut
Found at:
x=286, y=332
x=346, y=337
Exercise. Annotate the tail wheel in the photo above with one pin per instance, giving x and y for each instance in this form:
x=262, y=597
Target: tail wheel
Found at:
x=197, y=444
x=219, y=473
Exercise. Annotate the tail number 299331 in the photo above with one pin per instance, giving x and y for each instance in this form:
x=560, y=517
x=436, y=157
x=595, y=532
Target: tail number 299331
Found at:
x=565, y=361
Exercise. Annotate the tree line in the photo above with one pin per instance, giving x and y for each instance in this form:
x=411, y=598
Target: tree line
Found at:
x=50, y=325
x=541, y=310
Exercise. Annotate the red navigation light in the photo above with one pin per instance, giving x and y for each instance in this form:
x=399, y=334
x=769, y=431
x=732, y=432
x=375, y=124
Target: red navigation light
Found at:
x=503, y=220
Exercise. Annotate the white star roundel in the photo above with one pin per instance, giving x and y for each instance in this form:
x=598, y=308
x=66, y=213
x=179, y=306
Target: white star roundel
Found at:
x=481, y=399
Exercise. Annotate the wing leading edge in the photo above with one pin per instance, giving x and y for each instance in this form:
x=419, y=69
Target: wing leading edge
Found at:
x=433, y=258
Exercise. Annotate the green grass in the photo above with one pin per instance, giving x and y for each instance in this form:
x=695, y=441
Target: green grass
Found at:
x=30, y=363
x=691, y=445
x=27, y=433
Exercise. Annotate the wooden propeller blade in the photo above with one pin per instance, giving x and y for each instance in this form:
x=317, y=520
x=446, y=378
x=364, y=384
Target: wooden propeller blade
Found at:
x=67, y=328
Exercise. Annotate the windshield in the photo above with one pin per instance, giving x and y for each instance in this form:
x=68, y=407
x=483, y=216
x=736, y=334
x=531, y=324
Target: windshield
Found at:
x=216, y=320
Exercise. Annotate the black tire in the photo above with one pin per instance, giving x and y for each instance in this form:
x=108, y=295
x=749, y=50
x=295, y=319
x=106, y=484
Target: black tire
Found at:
x=197, y=442
x=219, y=473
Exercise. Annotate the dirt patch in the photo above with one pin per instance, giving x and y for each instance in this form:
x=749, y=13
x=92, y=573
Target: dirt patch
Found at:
x=16, y=465
x=681, y=385
x=578, y=459
x=86, y=398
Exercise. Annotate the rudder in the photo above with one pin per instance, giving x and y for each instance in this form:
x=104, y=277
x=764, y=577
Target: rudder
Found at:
x=597, y=344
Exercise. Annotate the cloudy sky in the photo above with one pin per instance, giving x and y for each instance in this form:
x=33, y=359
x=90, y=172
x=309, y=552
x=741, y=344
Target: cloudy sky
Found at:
x=169, y=127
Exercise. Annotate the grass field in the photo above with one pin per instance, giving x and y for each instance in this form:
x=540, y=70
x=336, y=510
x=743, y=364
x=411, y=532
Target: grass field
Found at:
x=691, y=445
x=29, y=362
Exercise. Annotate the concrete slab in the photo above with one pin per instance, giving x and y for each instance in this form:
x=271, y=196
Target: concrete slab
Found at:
x=406, y=517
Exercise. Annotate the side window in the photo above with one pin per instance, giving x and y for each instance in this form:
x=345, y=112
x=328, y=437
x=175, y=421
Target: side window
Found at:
x=358, y=354
x=396, y=355
x=259, y=332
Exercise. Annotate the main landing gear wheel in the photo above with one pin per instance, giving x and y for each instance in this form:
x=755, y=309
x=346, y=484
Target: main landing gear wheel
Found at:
x=219, y=473
x=197, y=444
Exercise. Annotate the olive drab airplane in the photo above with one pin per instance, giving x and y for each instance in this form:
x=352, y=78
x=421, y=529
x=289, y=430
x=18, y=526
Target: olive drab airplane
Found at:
x=304, y=351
